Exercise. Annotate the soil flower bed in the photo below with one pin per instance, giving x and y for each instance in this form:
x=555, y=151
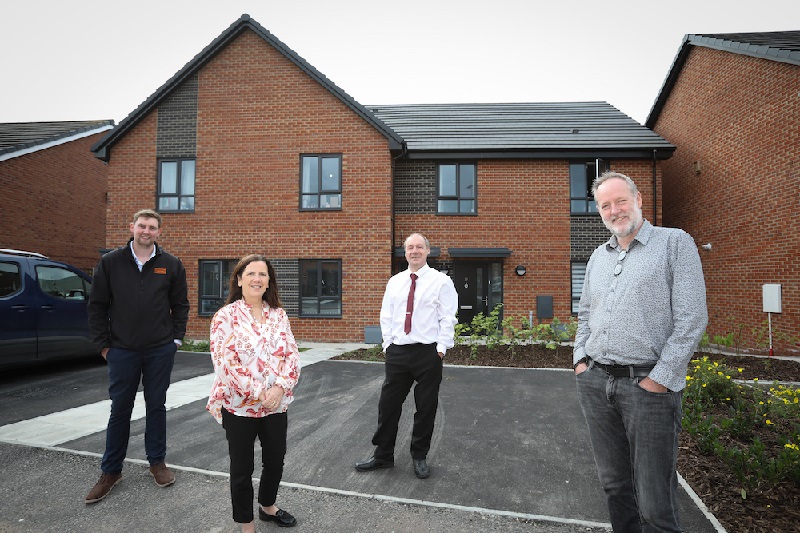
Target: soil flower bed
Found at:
x=761, y=491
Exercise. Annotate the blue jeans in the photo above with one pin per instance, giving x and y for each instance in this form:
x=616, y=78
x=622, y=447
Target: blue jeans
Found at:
x=125, y=369
x=634, y=438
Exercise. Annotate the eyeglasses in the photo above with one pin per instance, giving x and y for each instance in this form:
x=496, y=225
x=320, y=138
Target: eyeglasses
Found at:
x=620, y=257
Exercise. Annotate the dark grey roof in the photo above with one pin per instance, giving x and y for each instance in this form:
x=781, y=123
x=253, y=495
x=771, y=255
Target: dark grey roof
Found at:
x=530, y=130
x=16, y=136
x=781, y=46
x=244, y=23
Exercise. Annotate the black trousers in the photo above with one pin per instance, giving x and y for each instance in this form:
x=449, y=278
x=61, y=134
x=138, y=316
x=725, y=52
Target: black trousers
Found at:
x=241, y=432
x=404, y=365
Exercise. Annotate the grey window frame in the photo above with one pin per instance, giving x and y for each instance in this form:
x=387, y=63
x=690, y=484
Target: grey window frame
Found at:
x=178, y=185
x=588, y=206
x=320, y=192
x=305, y=312
x=457, y=197
x=224, y=282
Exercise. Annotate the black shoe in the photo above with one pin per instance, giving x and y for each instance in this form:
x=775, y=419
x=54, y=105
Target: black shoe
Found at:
x=374, y=464
x=421, y=469
x=282, y=518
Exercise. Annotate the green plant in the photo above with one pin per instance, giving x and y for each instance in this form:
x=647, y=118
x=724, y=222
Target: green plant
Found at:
x=761, y=336
x=754, y=430
x=190, y=345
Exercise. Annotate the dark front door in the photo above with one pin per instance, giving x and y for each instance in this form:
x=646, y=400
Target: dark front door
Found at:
x=479, y=286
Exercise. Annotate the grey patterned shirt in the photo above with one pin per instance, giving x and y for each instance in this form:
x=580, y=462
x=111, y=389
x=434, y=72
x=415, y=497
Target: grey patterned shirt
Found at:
x=652, y=311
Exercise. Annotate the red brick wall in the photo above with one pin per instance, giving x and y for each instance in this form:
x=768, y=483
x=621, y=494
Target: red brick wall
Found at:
x=738, y=117
x=257, y=112
x=56, y=197
x=523, y=205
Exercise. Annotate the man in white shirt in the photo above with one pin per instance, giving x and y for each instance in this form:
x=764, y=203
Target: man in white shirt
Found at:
x=418, y=318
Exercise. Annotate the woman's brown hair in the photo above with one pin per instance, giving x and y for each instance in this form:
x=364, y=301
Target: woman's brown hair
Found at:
x=270, y=296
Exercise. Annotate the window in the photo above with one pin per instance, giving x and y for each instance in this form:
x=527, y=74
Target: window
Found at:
x=176, y=185
x=10, y=280
x=62, y=283
x=321, y=287
x=457, y=189
x=321, y=182
x=215, y=278
x=581, y=176
x=577, y=277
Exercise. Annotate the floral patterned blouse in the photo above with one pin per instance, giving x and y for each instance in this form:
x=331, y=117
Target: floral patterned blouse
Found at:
x=250, y=357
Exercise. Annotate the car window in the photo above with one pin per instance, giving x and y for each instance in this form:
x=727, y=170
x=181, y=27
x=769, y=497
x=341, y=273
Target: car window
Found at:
x=62, y=283
x=10, y=280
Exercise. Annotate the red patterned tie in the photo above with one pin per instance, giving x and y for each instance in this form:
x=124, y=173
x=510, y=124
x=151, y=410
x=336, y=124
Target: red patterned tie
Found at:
x=410, y=304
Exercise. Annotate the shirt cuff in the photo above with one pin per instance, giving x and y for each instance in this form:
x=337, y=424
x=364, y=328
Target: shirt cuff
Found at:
x=178, y=342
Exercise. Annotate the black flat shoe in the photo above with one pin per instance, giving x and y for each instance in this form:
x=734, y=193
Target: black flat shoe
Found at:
x=373, y=464
x=282, y=518
x=421, y=468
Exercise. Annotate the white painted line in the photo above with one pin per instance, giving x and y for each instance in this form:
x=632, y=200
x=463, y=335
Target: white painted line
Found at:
x=700, y=505
x=381, y=497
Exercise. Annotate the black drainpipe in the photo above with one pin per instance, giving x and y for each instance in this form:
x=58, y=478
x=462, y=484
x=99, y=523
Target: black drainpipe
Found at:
x=655, y=191
x=404, y=152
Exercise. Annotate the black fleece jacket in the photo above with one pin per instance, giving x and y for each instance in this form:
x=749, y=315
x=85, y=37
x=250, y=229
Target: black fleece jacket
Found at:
x=138, y=310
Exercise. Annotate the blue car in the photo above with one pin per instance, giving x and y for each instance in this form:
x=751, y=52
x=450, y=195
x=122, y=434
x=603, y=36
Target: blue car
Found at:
x=42, y=309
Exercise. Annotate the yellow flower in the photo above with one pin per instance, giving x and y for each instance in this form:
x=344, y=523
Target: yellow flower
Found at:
x=704, y=385
x=769, y=422
x=740, y=370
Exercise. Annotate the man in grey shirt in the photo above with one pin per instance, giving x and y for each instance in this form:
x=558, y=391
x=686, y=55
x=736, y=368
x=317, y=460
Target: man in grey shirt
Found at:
x=642, y=313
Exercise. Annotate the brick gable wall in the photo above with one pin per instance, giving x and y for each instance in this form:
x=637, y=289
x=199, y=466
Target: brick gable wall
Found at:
x=57, y=197
x=734, y=182
x=256, y=114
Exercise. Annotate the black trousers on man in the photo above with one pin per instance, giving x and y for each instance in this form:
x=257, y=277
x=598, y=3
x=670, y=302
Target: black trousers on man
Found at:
x=406, y=364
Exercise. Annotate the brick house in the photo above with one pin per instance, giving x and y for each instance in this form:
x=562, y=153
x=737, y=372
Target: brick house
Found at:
x=731, y=106
x=249, y=148
x=53, y=190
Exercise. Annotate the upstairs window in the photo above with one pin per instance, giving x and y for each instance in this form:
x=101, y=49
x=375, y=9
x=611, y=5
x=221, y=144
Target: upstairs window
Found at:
x=457, y=194
x=321, y=287
x=176, y=185
x=320, y=182
x=581, y=176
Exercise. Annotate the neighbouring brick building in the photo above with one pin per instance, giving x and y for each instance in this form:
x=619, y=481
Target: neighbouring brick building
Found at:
x=249, y=148
x=54, y=190
x=731, y=106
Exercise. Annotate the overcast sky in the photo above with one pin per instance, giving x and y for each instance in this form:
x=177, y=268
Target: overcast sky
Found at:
x=92, y=59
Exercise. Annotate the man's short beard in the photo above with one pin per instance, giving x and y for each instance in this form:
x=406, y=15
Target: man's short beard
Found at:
x=636, y=221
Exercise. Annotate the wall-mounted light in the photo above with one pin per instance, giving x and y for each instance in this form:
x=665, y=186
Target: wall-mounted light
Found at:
x=706, y=246
x=520, y=270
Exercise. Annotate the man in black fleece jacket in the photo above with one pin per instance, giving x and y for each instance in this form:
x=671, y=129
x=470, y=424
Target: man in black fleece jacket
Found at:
x=138, y=309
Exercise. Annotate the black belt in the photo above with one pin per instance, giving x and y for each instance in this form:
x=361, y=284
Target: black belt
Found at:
x=624, y=371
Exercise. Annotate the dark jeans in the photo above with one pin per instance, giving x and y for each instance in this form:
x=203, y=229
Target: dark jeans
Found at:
x=125, y=369
x=634, y=437
x=404, y=365
x=241, y=432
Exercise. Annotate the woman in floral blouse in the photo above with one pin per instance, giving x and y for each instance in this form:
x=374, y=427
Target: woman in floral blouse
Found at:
x=257, y=364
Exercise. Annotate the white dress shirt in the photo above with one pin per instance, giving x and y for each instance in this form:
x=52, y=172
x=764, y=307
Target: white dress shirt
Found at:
x=435, y=306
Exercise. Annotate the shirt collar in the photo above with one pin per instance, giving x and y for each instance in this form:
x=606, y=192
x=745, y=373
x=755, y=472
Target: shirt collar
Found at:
x=642, y=236
x=422, y=270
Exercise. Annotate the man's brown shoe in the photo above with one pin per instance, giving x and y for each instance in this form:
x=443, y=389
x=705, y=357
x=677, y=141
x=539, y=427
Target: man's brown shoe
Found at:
x=162, y=474
x=103, y=487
